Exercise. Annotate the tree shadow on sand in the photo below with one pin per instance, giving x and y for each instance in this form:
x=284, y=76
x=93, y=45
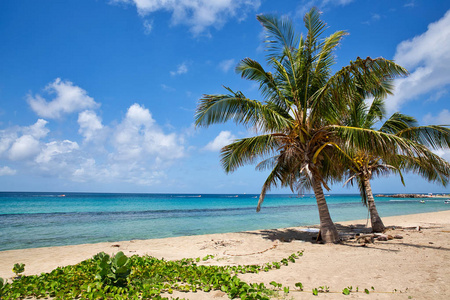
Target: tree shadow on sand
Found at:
x=307, y=234
x=348, y=233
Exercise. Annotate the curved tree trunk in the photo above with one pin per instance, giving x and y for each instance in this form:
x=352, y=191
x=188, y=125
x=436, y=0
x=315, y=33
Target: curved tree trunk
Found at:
x=328, y=230
x=377, y=223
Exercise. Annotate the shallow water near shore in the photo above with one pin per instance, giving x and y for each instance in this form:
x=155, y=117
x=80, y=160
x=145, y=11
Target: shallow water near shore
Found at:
x=30, y=220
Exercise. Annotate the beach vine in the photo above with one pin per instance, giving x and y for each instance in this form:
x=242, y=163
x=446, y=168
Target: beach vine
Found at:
x=140, y=277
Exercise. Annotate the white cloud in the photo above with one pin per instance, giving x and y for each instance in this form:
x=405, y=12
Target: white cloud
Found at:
x=22, y=142
x=337, y=2
x=148, y=26
x=7, y=137
x=182, y=69
x=410, y=4
x=90, y=124
x=226, y=65
x=38, y=129
x=27, y=145
x=53, y=150
x=7, y=171
x=167, y=88
x=224, y=138
x=197, y=14
x=136, y=150
x=24, y=148
x=139, y=137
x=443, y=118
x=68, y=99
x=306, y=5
x=427, y=56
x=373, y=18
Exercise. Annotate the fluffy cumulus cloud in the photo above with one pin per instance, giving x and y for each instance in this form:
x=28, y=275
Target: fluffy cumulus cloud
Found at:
x=224, y=138
x=68, y=98
x=134, y=150
x=139, y=150
x=23, y=143
x=53, y=151
x=427, y=57
x=138, y=137
x=197, y=14
x=24, y=147
x=90, y=124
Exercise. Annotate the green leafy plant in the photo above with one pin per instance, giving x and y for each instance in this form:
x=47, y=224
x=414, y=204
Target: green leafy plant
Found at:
x=299, y=285
x=347, y=290
x=315, y=291
x=137, y=277
x=113, y=270
x=2, y=284
x=276, y=284
x=207, y=257
x=18, y=268
x=323, y=289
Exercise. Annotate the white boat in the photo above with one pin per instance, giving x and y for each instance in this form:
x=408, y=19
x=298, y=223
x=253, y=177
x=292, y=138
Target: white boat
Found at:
x=422, y=201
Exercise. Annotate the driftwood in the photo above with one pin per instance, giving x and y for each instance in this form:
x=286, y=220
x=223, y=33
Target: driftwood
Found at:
x=370, y=237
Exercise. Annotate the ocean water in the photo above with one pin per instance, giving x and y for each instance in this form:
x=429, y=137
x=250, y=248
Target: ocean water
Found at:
x=30, y=220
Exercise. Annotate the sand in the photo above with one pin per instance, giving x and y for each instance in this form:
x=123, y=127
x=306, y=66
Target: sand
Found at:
x=414, y=267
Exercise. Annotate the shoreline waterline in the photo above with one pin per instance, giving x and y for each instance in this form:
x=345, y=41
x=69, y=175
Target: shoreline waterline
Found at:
x=29, y=220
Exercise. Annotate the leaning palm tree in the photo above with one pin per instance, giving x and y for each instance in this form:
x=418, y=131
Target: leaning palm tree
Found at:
x=365, y=164
x=299, y=124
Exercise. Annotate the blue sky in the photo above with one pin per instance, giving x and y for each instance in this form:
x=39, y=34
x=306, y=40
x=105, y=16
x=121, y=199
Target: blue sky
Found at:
x=100, y=95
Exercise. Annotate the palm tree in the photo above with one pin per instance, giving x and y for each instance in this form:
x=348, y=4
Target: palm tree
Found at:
x=299, y=124
x=366, y=163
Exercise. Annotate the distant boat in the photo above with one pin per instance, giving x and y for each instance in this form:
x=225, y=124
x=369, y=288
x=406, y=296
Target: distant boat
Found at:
x=447, y=201
x=422, y=201
x=62, y=195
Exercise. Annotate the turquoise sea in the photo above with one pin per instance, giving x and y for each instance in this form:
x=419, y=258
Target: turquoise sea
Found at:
x=29, y=220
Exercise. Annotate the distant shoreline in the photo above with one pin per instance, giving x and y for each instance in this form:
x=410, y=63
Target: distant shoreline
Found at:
x=414, y=196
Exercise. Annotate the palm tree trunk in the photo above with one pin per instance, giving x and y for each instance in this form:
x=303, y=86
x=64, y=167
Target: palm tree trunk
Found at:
x=328, y=231
x=377, y=223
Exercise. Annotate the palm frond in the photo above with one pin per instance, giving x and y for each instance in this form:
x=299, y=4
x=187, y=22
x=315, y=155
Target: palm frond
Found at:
x=280, y=36
x=271, y=180
x=270, y=89
x=325, y=58
x=398, y=122
x=430, y=166
x=213, y=109
x=432, y=136
x=315, y=27
x=268, y=163
x=247, y=150
x=375, y=113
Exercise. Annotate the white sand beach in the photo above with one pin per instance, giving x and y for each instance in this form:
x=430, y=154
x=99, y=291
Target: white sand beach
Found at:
x=415, y=266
